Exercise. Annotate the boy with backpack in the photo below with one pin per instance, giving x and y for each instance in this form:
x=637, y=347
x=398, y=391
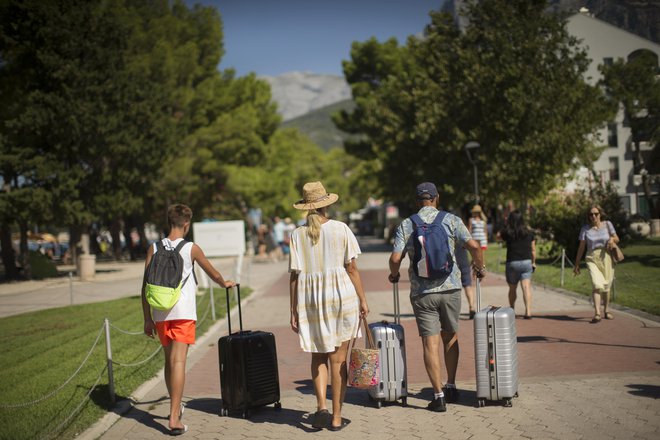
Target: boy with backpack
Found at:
x=168, y=302
x=430, y=238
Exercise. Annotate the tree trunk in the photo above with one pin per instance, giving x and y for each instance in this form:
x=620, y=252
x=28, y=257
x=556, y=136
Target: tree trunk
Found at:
x=646, y=184
x=8, y=254
x=23, y=250
x=75, y=231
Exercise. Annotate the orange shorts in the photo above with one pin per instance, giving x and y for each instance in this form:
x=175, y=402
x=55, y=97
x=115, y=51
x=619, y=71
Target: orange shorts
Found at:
x=180, y=330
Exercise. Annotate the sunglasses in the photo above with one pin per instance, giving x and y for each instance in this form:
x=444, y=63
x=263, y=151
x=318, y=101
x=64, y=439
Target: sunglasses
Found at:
x=594, y=214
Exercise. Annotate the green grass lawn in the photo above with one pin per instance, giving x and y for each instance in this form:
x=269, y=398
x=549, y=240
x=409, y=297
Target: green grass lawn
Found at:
x=42, y=350
x=637, y=278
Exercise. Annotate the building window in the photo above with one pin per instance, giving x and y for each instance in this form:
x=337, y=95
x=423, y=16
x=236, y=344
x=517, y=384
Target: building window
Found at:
x=612, y=138
x=614, y=168
x=608, y=61
x=625, y=203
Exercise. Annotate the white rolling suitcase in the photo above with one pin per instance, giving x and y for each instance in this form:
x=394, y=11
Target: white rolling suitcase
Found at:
x=390, y=339
x=495, y=353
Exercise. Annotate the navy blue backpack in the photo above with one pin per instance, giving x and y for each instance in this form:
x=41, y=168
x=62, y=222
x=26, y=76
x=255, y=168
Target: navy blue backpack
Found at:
x=433, y=258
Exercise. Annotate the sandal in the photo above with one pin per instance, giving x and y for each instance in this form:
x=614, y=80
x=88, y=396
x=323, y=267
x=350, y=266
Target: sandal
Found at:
x=608, y=315
x=596, y=319
x=321, y=419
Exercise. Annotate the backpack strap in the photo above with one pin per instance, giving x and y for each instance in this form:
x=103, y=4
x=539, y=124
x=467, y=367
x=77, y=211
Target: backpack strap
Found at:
x=178, y=249
x=416, y=219
x=440, y=217
x=181, y=245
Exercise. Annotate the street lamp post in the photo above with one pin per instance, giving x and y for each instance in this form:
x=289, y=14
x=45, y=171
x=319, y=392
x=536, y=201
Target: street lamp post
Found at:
x=472, y=145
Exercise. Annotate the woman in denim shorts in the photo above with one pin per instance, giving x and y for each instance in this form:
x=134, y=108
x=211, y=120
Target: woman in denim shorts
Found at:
x=520, y=259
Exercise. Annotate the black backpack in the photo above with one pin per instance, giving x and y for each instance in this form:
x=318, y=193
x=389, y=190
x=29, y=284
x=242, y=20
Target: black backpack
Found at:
x=164, y=276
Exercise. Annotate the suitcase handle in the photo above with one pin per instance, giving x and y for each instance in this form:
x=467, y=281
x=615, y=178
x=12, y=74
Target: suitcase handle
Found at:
x=397, y=306
x=240, y=317
x=478, y=294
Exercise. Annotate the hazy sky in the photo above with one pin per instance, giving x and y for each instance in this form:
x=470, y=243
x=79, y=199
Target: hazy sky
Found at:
x=270, y=37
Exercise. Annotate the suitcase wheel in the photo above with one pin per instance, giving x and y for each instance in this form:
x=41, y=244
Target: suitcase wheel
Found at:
x=379, y=403
x=404, y=401
x=246, y=414
x=224, y=412
x=516, y=395
x=278, y=406
x=481, y=403
x=508, y=403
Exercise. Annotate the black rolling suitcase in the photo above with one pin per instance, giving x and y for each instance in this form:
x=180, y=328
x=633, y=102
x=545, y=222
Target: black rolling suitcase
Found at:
x=249, y=376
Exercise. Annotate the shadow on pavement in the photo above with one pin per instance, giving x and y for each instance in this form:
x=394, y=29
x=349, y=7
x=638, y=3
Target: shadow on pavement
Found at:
x=465, y=397
x=263, y=414
x=525, y=339
x=562, y=318
x=146, y=418
x=644, y=390
x=306, y=386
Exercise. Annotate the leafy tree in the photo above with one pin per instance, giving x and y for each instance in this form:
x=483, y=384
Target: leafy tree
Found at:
x=512, y=81
x=101, y=93
x=635, y=84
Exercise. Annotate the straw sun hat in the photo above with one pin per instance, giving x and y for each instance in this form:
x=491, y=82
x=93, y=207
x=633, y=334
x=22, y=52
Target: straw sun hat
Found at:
x=315, y=196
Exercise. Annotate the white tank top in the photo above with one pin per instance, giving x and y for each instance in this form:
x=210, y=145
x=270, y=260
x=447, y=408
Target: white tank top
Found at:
x=186, y=307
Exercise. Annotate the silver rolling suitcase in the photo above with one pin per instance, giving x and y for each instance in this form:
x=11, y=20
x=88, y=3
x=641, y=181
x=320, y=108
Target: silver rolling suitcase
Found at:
x=389, y=338
x=495, y=353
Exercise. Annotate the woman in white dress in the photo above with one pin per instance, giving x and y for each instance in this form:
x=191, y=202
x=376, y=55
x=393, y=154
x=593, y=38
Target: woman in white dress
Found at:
x=327, y=298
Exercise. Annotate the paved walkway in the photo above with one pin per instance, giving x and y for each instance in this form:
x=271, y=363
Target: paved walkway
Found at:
x=577, y=380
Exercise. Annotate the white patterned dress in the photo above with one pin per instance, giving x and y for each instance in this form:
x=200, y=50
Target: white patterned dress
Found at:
x=328, y=305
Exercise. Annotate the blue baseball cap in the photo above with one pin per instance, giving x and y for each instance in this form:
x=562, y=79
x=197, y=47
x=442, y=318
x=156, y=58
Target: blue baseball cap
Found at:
x=426, y=191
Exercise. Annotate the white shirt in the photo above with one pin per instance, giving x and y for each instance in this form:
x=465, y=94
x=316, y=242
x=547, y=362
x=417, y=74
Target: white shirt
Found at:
x=186, y=307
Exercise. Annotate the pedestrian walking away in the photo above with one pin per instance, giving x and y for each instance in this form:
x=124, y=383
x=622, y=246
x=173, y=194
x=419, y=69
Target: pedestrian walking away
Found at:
x=520, y=259
x=466, y=278
x=327, y=298
x=436, y=299
x=478, y=226
x=598, y=238
x=176, y=326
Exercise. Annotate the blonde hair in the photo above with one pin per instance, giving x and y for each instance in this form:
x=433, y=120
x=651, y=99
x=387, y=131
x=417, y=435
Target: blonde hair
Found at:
x=314, y=224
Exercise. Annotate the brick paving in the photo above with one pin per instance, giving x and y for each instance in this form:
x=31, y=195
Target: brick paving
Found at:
x=577, y=380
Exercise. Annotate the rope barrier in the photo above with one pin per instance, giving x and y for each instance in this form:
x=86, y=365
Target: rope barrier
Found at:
x=126, y=332
x=56, y=431
x=569, y=261
x=206, y=313
x=140, y=362
x=52, y=393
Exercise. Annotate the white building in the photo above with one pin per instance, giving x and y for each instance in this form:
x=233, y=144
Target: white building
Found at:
x=605, y=44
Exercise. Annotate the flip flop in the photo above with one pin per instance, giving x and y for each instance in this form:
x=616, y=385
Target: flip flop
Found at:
x=179, y=431
x=344, y=424
x=608, y=315
x=321, y=419
x=596, y=319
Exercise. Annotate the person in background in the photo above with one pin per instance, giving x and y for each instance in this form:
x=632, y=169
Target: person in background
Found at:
x=466, y=278
x=520, y=259
x=598, y=237
x=327, y=298
x=477, y=227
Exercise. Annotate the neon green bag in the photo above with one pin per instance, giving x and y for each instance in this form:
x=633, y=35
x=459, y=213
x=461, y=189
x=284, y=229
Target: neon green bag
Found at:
x=164, y=274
